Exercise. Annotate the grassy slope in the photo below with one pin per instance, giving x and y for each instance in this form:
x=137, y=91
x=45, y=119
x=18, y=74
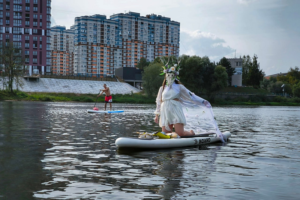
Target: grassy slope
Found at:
x=22, y=96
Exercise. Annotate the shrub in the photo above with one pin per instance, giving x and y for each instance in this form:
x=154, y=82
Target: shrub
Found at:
x=280, y=99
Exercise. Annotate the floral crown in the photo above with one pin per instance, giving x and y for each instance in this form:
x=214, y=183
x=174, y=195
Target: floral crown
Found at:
x=167, y=68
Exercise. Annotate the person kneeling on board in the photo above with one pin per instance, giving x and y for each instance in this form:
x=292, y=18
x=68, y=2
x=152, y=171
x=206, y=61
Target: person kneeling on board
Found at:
x=108, y=97
x=171, y=97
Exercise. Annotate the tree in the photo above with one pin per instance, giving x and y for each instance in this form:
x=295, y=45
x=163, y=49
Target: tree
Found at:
x=229, y=69
x=292, y=77
x=12, y=60
x=252, y=74
x=191, y=73
x=296, y=90
x=220, y=81
x=151, y=78
x=142, y=63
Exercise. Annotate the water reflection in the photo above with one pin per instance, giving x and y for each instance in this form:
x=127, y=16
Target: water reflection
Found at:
x=77, y=157
x=21, y=150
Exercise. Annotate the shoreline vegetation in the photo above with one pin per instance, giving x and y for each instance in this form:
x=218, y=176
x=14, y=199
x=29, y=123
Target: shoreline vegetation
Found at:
x=139, y=98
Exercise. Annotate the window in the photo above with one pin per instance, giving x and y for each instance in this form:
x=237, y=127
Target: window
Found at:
x=41, y=24
x=27, y=23
x=26, y=45
x=34, y=60
x=17, y=30
x=34, y=23
x=26, y=52
x=34, y=38
x=35, y=1
x=48, y=17
x=35, y=9
x=26, y=37
x=7, y=22
x=17, y=22
x=27, y=30
x=35, y=31
x=17, y=38
x=41, y=38
x=35, y=16
x=41, y=46
x=7, y=14
x=48, y=10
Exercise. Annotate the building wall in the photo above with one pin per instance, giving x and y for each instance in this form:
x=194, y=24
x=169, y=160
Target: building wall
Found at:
x=62, y=49
x=102, y=45
x=27, y=23
x=237, y=64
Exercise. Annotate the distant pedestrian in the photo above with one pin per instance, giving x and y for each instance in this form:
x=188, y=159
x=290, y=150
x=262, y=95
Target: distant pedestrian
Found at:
x=108, y=97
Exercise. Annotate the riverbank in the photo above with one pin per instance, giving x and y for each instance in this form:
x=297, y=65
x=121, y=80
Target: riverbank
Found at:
x=138, y=98
x=65, y=97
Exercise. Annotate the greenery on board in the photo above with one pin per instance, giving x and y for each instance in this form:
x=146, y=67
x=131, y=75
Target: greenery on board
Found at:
x=291, y=82
x=12, y=66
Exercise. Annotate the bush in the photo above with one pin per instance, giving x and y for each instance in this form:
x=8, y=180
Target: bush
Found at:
x=280, y=99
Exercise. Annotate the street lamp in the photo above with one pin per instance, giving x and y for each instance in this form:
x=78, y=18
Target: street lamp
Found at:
x=283, y=89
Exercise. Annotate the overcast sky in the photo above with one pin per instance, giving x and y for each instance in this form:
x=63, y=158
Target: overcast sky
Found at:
x=214, y=28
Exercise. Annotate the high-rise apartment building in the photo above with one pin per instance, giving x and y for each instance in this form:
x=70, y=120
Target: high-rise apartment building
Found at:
x=101, y=45
x=62, y=48
x=26, y=23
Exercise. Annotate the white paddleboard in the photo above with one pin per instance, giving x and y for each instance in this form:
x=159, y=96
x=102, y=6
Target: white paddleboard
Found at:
x=124, y=142
x=107, y=111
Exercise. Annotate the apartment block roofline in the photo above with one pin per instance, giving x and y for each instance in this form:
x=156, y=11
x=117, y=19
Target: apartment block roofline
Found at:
x=150, y=17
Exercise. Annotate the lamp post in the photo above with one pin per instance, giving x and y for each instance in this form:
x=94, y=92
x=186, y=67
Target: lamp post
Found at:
x=283, y=89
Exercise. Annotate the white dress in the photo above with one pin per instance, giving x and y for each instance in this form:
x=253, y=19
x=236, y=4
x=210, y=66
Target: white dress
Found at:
x=169, y=104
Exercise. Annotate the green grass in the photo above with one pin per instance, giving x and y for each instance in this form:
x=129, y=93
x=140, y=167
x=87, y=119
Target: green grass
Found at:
x=140, y=98
x=61, y=97
x=244, y=90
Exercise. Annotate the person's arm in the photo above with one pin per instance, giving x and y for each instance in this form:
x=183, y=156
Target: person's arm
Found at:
x=101, y=93
x=158, y=104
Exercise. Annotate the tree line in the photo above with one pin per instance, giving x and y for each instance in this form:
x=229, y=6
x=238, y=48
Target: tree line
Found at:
x=199, y=74
x=289, y=82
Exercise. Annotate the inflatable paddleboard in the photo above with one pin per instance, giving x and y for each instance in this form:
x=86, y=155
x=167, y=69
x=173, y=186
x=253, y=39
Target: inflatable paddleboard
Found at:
x=124, y=142
x=107, y=111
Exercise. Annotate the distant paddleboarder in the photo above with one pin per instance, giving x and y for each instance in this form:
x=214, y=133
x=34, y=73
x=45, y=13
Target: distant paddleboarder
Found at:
x=108, y=97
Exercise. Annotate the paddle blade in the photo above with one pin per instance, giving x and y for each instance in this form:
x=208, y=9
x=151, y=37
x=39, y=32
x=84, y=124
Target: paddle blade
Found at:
x=95, y=108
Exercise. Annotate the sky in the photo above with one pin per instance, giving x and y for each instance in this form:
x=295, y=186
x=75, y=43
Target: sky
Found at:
x=214, y=28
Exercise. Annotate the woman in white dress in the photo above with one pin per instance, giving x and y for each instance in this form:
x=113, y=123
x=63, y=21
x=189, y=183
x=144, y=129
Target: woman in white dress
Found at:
x=171, y=98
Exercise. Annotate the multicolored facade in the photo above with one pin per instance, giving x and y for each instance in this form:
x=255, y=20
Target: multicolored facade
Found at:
x=102, y=45
x=62, y=49
x=26, y=23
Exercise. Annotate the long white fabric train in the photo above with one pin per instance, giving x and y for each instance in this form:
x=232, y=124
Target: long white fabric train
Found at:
x=171, y=111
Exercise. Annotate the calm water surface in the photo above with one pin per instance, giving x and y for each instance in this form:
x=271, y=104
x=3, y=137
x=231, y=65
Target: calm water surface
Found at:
x=58, y=151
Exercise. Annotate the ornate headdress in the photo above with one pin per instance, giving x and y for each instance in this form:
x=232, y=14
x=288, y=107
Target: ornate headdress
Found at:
x=170, y=68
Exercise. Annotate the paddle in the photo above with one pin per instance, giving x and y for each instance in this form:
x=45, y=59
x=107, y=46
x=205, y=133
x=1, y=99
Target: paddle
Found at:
x=95, y=108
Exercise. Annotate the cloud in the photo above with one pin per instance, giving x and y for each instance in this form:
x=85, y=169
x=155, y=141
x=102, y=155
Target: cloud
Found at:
x=245, y=2
x=204, y=44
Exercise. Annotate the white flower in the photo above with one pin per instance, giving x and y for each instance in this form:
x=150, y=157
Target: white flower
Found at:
x=165, y=71
x=175, y=65
x=177, y=73
x=172, y=69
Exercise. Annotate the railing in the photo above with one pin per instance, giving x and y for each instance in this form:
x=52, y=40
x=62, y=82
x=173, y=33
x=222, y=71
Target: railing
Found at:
x=80, y=78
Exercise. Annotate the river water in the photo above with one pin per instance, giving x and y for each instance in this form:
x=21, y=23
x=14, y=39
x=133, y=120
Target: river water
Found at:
x=58, y=151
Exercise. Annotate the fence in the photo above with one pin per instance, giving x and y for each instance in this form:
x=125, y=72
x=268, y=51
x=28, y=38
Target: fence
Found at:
x=80, y=78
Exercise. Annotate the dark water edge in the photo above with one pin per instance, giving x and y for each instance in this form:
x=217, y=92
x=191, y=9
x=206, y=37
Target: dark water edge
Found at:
x=58, y=151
